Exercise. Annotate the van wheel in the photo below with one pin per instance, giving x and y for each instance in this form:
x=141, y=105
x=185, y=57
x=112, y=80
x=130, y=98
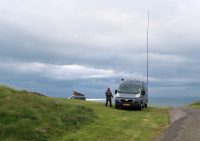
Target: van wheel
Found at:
x=116, y=107
x=140, y=106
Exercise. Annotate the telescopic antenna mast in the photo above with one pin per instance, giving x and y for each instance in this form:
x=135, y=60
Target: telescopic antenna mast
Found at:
x=148, y=50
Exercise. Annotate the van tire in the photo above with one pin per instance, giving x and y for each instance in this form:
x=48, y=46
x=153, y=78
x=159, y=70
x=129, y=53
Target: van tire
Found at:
x=116, y=107
x=140, y=106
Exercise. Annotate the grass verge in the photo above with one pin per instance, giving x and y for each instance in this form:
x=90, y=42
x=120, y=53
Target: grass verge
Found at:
x=195, y=105
x=119, y=125
x=25, y=116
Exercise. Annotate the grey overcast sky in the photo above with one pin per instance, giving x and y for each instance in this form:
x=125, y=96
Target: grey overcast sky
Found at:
x=57, y=46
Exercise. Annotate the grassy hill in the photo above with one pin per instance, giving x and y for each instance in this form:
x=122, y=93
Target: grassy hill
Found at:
x=26, y=116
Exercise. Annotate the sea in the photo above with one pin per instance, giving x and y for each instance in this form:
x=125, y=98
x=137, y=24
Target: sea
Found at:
x=161, y=101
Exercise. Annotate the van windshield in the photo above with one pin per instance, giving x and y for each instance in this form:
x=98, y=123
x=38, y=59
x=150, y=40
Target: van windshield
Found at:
x=129, y=88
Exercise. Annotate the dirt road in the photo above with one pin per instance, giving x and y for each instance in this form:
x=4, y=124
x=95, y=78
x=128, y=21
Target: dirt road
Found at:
x=184, y=125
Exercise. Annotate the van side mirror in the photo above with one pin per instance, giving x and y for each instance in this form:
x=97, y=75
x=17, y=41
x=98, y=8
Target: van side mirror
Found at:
x=115, y=91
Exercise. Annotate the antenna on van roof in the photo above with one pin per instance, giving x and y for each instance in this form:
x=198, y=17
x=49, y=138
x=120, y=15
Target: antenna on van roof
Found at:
x=148, y=49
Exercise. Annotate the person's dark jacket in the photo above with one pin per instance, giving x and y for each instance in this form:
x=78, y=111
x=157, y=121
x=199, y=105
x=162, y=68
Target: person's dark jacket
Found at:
x=108, y=95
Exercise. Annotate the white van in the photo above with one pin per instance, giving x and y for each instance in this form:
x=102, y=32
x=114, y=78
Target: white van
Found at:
x=131, y=93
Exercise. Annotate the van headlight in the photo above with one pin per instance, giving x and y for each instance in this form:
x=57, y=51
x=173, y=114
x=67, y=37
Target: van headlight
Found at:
x=137, y=95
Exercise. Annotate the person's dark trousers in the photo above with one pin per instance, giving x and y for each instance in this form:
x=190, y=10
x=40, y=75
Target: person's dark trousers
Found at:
x=109, y=101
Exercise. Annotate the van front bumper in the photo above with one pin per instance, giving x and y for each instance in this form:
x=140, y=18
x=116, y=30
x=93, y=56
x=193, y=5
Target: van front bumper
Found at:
x=127, y=102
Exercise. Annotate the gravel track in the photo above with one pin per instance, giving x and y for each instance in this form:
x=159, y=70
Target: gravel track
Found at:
x=184, y=125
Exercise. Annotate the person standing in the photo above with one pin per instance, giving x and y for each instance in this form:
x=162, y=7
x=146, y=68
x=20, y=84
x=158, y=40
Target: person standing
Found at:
x=108, y=97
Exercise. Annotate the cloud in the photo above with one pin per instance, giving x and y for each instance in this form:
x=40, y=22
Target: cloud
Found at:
x=99, y=41
x=65, y=72
x=166, y=58
x=62, y=72
x=87, y=23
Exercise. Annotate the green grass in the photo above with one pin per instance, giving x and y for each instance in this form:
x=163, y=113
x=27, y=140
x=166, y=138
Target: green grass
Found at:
x=28, y=117
x=118, y=125
x=195, y=105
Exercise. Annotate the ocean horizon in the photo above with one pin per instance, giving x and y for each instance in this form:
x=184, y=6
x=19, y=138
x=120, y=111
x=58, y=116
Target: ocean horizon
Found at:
x=161, y=101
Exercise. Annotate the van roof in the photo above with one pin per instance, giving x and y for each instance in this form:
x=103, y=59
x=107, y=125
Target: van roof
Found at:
x=133, y=81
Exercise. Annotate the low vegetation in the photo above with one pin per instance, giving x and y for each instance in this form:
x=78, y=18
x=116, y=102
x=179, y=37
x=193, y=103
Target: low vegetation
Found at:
x=195, y=105
x=25, y=116
x=28, y=117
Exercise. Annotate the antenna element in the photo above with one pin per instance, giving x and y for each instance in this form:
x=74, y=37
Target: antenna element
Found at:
x=148, y=49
